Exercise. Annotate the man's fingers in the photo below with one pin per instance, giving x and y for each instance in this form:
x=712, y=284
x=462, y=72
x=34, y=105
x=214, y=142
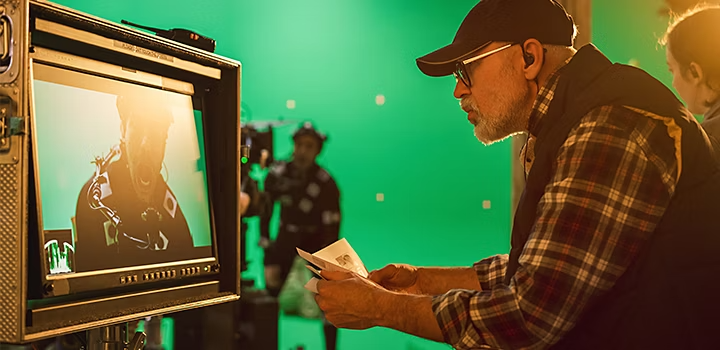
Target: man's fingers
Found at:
x=320, y=286
x=335, y=275
x=319, y=299
x=384, y=274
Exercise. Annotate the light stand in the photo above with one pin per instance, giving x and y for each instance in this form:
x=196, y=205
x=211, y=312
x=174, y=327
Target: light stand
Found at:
x=114, y=338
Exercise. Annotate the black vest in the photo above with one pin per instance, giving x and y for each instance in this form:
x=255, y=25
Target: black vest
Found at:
x=669, y=298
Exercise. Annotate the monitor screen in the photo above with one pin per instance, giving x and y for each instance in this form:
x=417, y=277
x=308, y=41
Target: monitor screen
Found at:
x=120, y=173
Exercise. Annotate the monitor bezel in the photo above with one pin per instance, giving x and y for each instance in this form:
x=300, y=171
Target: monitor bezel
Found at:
x=116, y=279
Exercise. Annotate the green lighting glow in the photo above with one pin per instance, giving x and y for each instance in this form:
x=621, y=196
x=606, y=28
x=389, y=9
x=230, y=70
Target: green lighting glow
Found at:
x=244, y=160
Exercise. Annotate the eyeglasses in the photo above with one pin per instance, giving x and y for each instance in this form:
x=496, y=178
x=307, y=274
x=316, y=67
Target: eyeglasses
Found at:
x=461, y=73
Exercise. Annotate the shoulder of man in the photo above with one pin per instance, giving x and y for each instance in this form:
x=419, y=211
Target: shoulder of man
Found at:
x=654, y=135
x=712, y=126
x=170, y=203
x=324, y=177
x=624, y=119
x=115, y=180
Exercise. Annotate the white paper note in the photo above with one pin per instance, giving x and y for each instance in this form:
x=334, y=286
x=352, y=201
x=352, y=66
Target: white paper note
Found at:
x=311, y=285
x=339, y=256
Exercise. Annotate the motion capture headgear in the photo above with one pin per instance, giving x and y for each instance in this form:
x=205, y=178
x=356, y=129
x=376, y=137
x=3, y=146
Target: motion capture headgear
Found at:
x=144, y=109
x=307, y=129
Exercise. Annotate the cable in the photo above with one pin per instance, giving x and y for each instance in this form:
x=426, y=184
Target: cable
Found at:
x=82, y=341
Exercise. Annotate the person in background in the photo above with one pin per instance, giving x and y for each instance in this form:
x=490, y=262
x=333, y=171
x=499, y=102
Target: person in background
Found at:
x=309, y=211
x=693, y=57
x=672, y=7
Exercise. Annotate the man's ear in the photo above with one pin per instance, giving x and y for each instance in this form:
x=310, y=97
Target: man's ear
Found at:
x=533, y=58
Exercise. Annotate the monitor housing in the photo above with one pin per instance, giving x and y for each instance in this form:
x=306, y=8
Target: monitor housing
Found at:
x=119, y=167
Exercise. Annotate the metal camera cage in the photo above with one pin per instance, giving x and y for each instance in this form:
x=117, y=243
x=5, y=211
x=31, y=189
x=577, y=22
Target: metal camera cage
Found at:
x=28, y=26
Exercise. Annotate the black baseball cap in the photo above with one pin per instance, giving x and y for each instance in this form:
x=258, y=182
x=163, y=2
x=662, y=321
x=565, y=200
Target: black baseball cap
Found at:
x=501, y=20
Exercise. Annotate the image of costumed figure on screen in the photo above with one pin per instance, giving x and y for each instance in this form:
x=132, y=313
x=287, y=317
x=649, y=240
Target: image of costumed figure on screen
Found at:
x=126, y=207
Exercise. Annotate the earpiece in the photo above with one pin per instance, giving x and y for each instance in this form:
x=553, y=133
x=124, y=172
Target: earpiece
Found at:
x=529, y=60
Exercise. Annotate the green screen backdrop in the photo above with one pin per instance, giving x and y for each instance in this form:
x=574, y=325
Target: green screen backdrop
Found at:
x=629, y=32
x=416, y=186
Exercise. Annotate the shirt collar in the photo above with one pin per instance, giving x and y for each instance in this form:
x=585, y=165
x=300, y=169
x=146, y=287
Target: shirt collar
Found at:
x=542, y=102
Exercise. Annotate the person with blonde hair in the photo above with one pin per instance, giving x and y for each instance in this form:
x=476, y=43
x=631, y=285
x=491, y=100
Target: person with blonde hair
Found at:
x=693, y=57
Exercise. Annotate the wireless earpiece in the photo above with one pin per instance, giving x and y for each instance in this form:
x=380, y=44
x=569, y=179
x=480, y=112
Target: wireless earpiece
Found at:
x=529, y=60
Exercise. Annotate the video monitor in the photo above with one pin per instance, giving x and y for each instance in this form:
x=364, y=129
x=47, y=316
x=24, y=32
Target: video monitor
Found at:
x=120, y=171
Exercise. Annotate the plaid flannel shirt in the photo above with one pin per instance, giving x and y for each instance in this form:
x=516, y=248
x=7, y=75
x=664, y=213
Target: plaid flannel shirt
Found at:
x=608, y=191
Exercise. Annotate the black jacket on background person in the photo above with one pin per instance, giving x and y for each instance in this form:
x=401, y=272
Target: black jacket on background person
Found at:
x=309, y=212
x=711, y=124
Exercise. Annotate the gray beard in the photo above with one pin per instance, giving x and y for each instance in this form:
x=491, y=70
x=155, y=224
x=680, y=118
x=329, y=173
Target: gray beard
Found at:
x=508, y=123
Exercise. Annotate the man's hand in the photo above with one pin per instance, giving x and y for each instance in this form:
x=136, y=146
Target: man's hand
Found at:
x=244, y=202
x=350, y=301
x=401, y=278
x=354, y=302
x=407, y=279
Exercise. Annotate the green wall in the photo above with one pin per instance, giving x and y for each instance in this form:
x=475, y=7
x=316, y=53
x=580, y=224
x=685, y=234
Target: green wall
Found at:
x=333, y=57
x=628, y=32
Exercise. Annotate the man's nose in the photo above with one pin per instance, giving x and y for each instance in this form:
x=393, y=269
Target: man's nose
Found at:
x=460, y=89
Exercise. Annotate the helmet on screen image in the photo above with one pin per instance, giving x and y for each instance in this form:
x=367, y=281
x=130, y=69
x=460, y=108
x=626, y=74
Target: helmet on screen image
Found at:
x=144, y=110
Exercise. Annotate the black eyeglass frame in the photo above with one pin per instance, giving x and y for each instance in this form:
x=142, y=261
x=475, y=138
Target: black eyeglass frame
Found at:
x=461, y=72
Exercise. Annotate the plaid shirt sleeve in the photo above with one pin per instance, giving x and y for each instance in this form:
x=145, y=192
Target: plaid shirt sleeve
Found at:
x=491, y=271
x=609, y=189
